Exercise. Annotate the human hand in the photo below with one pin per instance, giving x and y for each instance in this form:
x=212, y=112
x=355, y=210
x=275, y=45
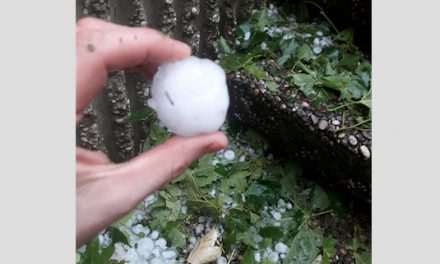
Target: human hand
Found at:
x=106, y=191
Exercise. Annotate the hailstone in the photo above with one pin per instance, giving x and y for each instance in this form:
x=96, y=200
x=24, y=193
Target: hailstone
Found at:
x=190, y=96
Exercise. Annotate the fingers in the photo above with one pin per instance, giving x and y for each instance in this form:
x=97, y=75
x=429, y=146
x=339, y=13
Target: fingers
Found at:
x=91, y=157
x=149, y=171
x=102, y=47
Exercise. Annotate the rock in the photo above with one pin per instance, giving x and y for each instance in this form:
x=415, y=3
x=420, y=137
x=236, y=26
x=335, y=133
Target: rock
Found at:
x=314, y=119
x=342, y=135
x=353, y=140
x=336, y=122
x=323, y=124
x=365, y=151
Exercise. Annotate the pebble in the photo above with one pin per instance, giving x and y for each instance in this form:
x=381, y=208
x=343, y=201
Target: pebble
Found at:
x=365, y=151
x=154, y=235
x=305, y=104
x=353, y=140
x=280, y=247
x=323, y=124
x=199, y=229
x=222, y=260
x=336, y=122
x=342, y=135
x=192, y=240
x=315, y=119
x=229, y=155
x=319, y=33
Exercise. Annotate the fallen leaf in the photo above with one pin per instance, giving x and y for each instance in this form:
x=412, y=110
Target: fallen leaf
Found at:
x=205, y=250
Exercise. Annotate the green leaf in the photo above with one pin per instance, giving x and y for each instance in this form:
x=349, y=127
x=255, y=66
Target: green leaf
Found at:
x=248, y=257
x=248, y=239
x=262, y=192
x=364, y=258
x=272, y=232
x=329, y=249
x=305, y=246
x=95, y=255
x=306, y=82
x=305, y=53
x=141, y=114
x=255, y=70
x=272, y=86
x=319, y=199
x=127, y=217
x=117, y=236
x=157, y=134
x=224, y=46
x=177, y=238
x=346, y=35
x=288, y=48
x=234, y=62
x=255, y=218
x=263, y=19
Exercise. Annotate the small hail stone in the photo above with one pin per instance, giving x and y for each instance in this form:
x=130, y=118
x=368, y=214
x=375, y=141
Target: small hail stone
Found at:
x=169, y=254
x=199, y=229
x=192, y=240
x=154, y=235
x=289, y=206
x=282, y=256
x=281, y=203
x=156, y=261
x=317, y=49
x=276, y=215
x=273, y=257
x=229, y=155
x=257, y=257
x=280, y=247
x=319, y=33
x=156, y=252
x=222, y=260
x=316, y=42
x=184, y=209
x=353, y=140
x=277, y=224
x=247, y=36
x=161, y=242
x=242, y=158
x=145, y=244
x=282, y=210
x=365, y=151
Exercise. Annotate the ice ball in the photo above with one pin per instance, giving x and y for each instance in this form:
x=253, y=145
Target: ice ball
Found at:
x=190, y=96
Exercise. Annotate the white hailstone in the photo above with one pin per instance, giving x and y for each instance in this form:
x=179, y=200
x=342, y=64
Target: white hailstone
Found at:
x=319, y=33
x=270, y=156
x=154, y=235
x=281, y=203
x=263, y=46
x=214, y=162
x=282, y=210
x=237, y=42
x=277, y=224
x=157, y=260
x=131, y=255
x=316, y=42
x=137, y=229
x=257, y=257
x=229, y=154
x=276, y=215
x=247, y=36
x=144, y=244
x=280, y=247
x=273, y=257
x=156, y=251
x=190, y=96
x=222, y=260
x=119, y=252
x=169, y=254
x=199, y=229
x=289, y=206
x=104, y=240
x=317, y=49
x=242, y=158
x=184, y=209
x=161, y=242
x=282, y=256
x=192, y=240
x=258, y=238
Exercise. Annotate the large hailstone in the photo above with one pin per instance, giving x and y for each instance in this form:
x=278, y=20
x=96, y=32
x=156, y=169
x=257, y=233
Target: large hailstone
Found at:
x=190, y=96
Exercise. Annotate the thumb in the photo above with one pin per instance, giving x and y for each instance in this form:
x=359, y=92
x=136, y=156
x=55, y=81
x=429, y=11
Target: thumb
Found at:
x=147, y=172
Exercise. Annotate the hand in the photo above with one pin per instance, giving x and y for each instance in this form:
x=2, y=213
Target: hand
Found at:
x=105, y=191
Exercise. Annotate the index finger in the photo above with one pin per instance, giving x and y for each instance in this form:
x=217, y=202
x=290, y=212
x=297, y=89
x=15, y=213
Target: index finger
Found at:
x=102, y=47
